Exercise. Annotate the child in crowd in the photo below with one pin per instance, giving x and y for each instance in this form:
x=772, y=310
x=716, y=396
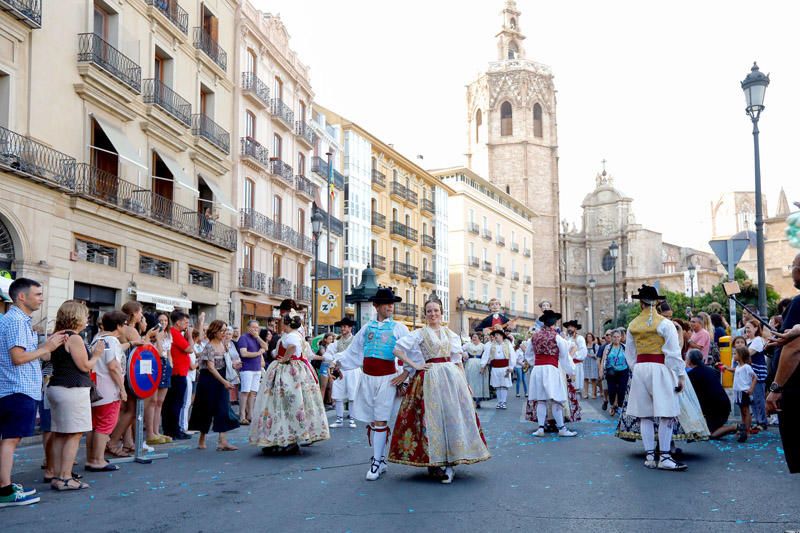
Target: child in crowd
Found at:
x=744, y=383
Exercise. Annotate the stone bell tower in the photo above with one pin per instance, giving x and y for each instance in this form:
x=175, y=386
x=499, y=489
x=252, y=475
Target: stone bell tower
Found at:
x=513, y=141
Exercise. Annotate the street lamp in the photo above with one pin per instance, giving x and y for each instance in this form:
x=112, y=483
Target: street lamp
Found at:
x=414, y=283
x=329, y=193
x=592, y=285
x=613, y=250
x=754, y=87
x=692, y=270
x=360, y=296
x=316, y=231
x=461, y=303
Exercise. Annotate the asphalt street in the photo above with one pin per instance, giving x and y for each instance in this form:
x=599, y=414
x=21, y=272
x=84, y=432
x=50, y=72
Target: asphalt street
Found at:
x=592, y=482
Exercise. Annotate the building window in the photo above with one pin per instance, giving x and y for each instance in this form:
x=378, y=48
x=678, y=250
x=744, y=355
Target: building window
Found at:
x=249, y=125
x=485, y=292
x=153, y=266
x=207, y=102
x=478, y=124
x=247, y=257
x=276, y=266
x=471, y=289
x=485, y=224
x=277, y=208
x=513, y=300
x=201, y=278
x=485, y=255
x=525, y=302
x=513, y=50
x=537, y=120
x=471, y=216
x=499, y=294
x=301, y=221
x=252, y=62
x=471, y=247
x=301, y=164
x=249, y=194
x=94, y=252
x=105, y=22
x=302, y=112
x=278, y=89
x=277, y=146
x=506, y=120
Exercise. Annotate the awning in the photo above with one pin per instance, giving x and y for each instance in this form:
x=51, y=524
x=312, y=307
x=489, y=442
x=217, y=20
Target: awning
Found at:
x=178, y=175
x=219, y=198
x=124, y=148
x=163, y=303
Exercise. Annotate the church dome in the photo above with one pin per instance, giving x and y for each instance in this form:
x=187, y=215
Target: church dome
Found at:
x=749, y=235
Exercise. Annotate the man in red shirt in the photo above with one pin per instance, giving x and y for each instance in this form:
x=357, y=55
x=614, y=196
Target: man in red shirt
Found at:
x=181, y=334
x=701, y=339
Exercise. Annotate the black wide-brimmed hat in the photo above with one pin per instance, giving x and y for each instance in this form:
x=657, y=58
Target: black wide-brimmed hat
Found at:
x=549, y=317
x=504, y=333
x=346, y=321
x=648, y=293
x=573, y=323
x=385, y=295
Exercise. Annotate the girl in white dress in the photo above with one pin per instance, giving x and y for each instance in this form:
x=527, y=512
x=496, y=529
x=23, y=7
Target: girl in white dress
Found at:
x=499, y=355
x=477, y=381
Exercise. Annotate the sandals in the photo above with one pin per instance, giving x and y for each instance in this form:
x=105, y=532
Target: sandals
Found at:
x=227, y=448
x=64, y=484
x=118, y=452
x=107, y=468
x=75, y=476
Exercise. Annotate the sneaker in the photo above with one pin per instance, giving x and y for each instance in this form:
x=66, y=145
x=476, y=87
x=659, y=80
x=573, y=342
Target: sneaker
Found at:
x=666, y=462
x=449, y=474
x=517, y=395
x=19, y=488
x=182, y=436
x=539, y=432
x=148, y=449
x=338, y=424
x=564, y=432
x=650, y=459
x=384, y=467
x=504, y=406
x=374, y=471
x=498, y=406
x=351, y=422
x=18, y=499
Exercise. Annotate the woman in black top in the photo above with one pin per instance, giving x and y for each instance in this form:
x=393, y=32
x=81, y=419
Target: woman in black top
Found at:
x=68, y=393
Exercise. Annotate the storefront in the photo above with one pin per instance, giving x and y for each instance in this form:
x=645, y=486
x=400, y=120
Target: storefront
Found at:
x=99, y=300
x=256, y=311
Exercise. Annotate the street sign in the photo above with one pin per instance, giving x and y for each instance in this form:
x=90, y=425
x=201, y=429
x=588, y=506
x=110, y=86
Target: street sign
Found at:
x=144, y=371
x=735, y=252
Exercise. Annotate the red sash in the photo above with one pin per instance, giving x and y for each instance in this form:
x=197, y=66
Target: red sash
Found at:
x=551, y=360
x=650, y=358
x=499, y=363
x=379, y=367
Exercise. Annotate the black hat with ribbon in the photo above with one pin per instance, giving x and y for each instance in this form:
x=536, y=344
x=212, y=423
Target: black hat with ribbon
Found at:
x=385, y=295
x=574, y=323
x=648, y=293
x=346, y=321
x=549, y=317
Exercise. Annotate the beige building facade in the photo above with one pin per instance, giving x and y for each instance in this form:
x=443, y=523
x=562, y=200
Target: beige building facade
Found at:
x=117, y=180
x=490, y=253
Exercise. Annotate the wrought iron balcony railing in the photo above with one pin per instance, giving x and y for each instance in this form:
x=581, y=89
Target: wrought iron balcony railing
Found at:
x=28, y=158
x=107, y=188
x=327, y=271
x=515, y=276
x=378, y=262
x=306, y=186
x=320, y=167
x=514, y=247
x=305, y=132
x=28, y=11
x=472, y=227
x=337, y=226
x=428, y=205
x=280, y=287
x=428, y=276
x=405, y=309
x=159, y=94
x=429, y=241
x=527, y=280
x=204, y=127
x=473, y=262
x=403, y=269
x=486, y=233
x=378, y=220
x=250, y=279
x=500, y=240
x=500, y=271
x=253, y=84
x=378, y=178
x=282, y=170
x=487, y=266
x=407, y=232
x=302, y=293
x=93, y=49
x=175, y=13
x=206, y=44
x=398, y=189
x=282, y=111
x=261, y=224
x=338, y=180
x=527, y=252
x=411, y=197
x=256, y=151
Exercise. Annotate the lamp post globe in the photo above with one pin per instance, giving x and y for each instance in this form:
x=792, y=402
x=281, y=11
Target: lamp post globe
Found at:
x=754, y=87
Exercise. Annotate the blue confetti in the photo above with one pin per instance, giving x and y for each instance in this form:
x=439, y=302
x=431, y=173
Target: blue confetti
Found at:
x=411, y=510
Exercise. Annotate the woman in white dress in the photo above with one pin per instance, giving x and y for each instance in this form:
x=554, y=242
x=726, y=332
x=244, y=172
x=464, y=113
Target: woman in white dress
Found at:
x=289, y=407
x=499, y=355
x=478, y=381
x=437, y=425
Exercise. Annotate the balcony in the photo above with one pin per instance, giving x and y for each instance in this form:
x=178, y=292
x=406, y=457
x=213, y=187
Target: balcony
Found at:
x=337, y=226
x=28, y=11
x=473, y=262
x=262, y=225
x=250, y=279
x=515, y=276
x=210, y=47
x=527, y=280
x=403, y=269
x=93, y=49
x=327, y=271
x=428, y=241
x=428, y=205
x=514, y=247
x=255, y=152
x=37, y=162
x=320, y=167
x=338, y=180
x=378, y=220
x=398, y=190
x=378, y=262
x=486, y=233
x=280, y=287
x=305, y=133
x=255, y=89
x=302, y=293
x=428, y=276
x=472, y=227
x=406, y=232
x=527, y=252
x=282, y=170
x=160, y=95
x=500, y=240
x=204, y=127
x=282, y=112
x=174, y=13
x=108, y=189
x=378, y=178
x=304, y=186
x=411, y=197
x=405, y=309
x=500, y=271
x=487, y=266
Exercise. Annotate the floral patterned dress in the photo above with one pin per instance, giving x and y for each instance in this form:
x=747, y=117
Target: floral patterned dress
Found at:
x=289, y=405
x=437, y=424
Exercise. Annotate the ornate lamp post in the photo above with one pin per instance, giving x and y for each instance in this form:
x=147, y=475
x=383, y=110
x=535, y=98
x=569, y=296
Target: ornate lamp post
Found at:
x=361, y=295
x=316, y=231
x=692, y=270
x=461, y=303
x=592, y=285
x=754, y=87
x=414, y=283
x=613, y=250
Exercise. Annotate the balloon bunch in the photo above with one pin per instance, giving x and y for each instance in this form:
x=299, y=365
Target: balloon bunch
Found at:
x=793, y=229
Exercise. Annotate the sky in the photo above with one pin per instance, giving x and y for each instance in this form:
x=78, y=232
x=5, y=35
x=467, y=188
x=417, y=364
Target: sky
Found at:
x=652, y=87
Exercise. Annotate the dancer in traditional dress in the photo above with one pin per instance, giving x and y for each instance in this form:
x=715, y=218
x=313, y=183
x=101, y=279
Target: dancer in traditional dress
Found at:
x=372, y=350
x=548, y=354
x=654, y=354
x=496, y=319
x=437, y=425
x=289, y=408
x=499, y=355
x=478, y=381
x=346, y=382
x=578, y=351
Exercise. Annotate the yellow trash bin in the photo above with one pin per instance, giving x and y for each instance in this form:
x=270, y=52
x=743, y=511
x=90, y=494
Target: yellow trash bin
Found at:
x=726, y=358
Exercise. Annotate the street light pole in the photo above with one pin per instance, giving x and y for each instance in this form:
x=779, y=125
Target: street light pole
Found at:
x=692, y=269
x=414, y=282
x=614, y=251
x=330, y=208
x=754, y=87
x=316, y=231
x=592, y=285
x=461, y=304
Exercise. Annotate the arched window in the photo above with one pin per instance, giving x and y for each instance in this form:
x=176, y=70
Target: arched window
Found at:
x=506, y=120
x=513, y=23
x=478, y=124
x=513, y=50
x=537, y=120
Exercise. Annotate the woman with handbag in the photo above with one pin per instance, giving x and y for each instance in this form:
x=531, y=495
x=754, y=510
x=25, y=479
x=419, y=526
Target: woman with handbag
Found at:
x=212, y=407
x=615, y=371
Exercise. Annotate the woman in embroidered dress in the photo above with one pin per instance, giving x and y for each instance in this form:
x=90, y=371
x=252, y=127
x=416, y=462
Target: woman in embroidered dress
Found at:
x=437, y=425
x=478, y=382
x=289, y=405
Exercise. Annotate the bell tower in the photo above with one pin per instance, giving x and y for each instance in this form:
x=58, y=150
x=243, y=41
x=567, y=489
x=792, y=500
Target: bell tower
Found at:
x=512, y=140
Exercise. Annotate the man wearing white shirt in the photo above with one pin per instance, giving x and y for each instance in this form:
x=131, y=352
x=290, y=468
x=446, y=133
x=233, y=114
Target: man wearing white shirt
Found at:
x=345, y=385
x=578, y=351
